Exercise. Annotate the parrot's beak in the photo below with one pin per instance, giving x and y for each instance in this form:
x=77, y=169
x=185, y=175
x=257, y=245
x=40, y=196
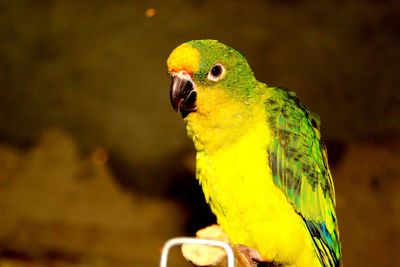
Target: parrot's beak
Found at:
x=183, y=93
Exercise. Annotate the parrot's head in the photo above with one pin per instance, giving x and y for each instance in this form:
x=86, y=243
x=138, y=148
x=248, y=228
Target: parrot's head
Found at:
x=213, y=88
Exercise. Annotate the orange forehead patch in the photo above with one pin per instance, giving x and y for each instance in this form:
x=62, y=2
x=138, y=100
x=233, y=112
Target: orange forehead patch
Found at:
x=184, y=57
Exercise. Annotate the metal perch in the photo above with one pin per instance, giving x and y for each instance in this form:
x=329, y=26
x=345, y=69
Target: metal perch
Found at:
x=196, y=241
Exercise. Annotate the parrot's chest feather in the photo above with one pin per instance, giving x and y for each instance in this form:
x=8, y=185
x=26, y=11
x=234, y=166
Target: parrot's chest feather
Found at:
x=239, y=187
x=234, y=174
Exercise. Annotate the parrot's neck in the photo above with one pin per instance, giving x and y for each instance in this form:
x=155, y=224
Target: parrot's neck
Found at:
x=220, y=135
x=221, y=121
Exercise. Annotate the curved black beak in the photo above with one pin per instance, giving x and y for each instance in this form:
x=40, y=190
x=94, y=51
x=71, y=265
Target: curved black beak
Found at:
x=183, y=94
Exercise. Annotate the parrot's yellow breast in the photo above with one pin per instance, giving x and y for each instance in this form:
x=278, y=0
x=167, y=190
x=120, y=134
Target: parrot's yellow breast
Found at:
x=238, y=185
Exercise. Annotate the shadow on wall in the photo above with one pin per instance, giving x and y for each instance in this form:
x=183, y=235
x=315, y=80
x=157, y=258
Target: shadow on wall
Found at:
x=59, y=207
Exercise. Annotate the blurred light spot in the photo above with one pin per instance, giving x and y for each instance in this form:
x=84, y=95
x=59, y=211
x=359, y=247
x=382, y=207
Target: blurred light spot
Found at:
x=151, y=12
x=99, y=156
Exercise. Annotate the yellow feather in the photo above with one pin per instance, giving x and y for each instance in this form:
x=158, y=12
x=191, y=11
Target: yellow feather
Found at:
x=216, y=116
x=184, y=57
x=232, y=166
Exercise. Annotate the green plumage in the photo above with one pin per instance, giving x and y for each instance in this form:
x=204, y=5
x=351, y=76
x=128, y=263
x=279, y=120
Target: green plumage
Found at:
x=300, y=168
x=241, y=81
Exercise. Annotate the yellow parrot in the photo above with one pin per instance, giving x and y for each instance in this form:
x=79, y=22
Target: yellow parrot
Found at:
x=260, y=160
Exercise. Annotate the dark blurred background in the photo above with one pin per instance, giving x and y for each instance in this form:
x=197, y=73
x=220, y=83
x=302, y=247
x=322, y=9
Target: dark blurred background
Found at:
x=96, y=168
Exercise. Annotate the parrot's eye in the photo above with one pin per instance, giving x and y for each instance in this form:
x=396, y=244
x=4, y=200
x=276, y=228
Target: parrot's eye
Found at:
x=216, y=73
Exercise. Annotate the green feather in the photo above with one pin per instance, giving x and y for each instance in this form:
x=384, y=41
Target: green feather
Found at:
x=300, y=169
x=240, y=83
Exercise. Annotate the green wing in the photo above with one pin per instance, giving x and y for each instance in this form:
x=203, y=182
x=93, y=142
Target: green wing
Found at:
x=300, y=169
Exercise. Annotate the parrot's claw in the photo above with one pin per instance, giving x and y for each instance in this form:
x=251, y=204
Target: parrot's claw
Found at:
x=251, y=255
x=251, y=258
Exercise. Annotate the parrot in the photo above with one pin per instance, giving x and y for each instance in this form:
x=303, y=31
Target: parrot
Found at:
x=260, y=160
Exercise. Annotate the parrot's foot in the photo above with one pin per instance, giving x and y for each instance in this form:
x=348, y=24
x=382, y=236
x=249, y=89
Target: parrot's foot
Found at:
x=249, y=253
x=202, y=255
x=251, y=257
